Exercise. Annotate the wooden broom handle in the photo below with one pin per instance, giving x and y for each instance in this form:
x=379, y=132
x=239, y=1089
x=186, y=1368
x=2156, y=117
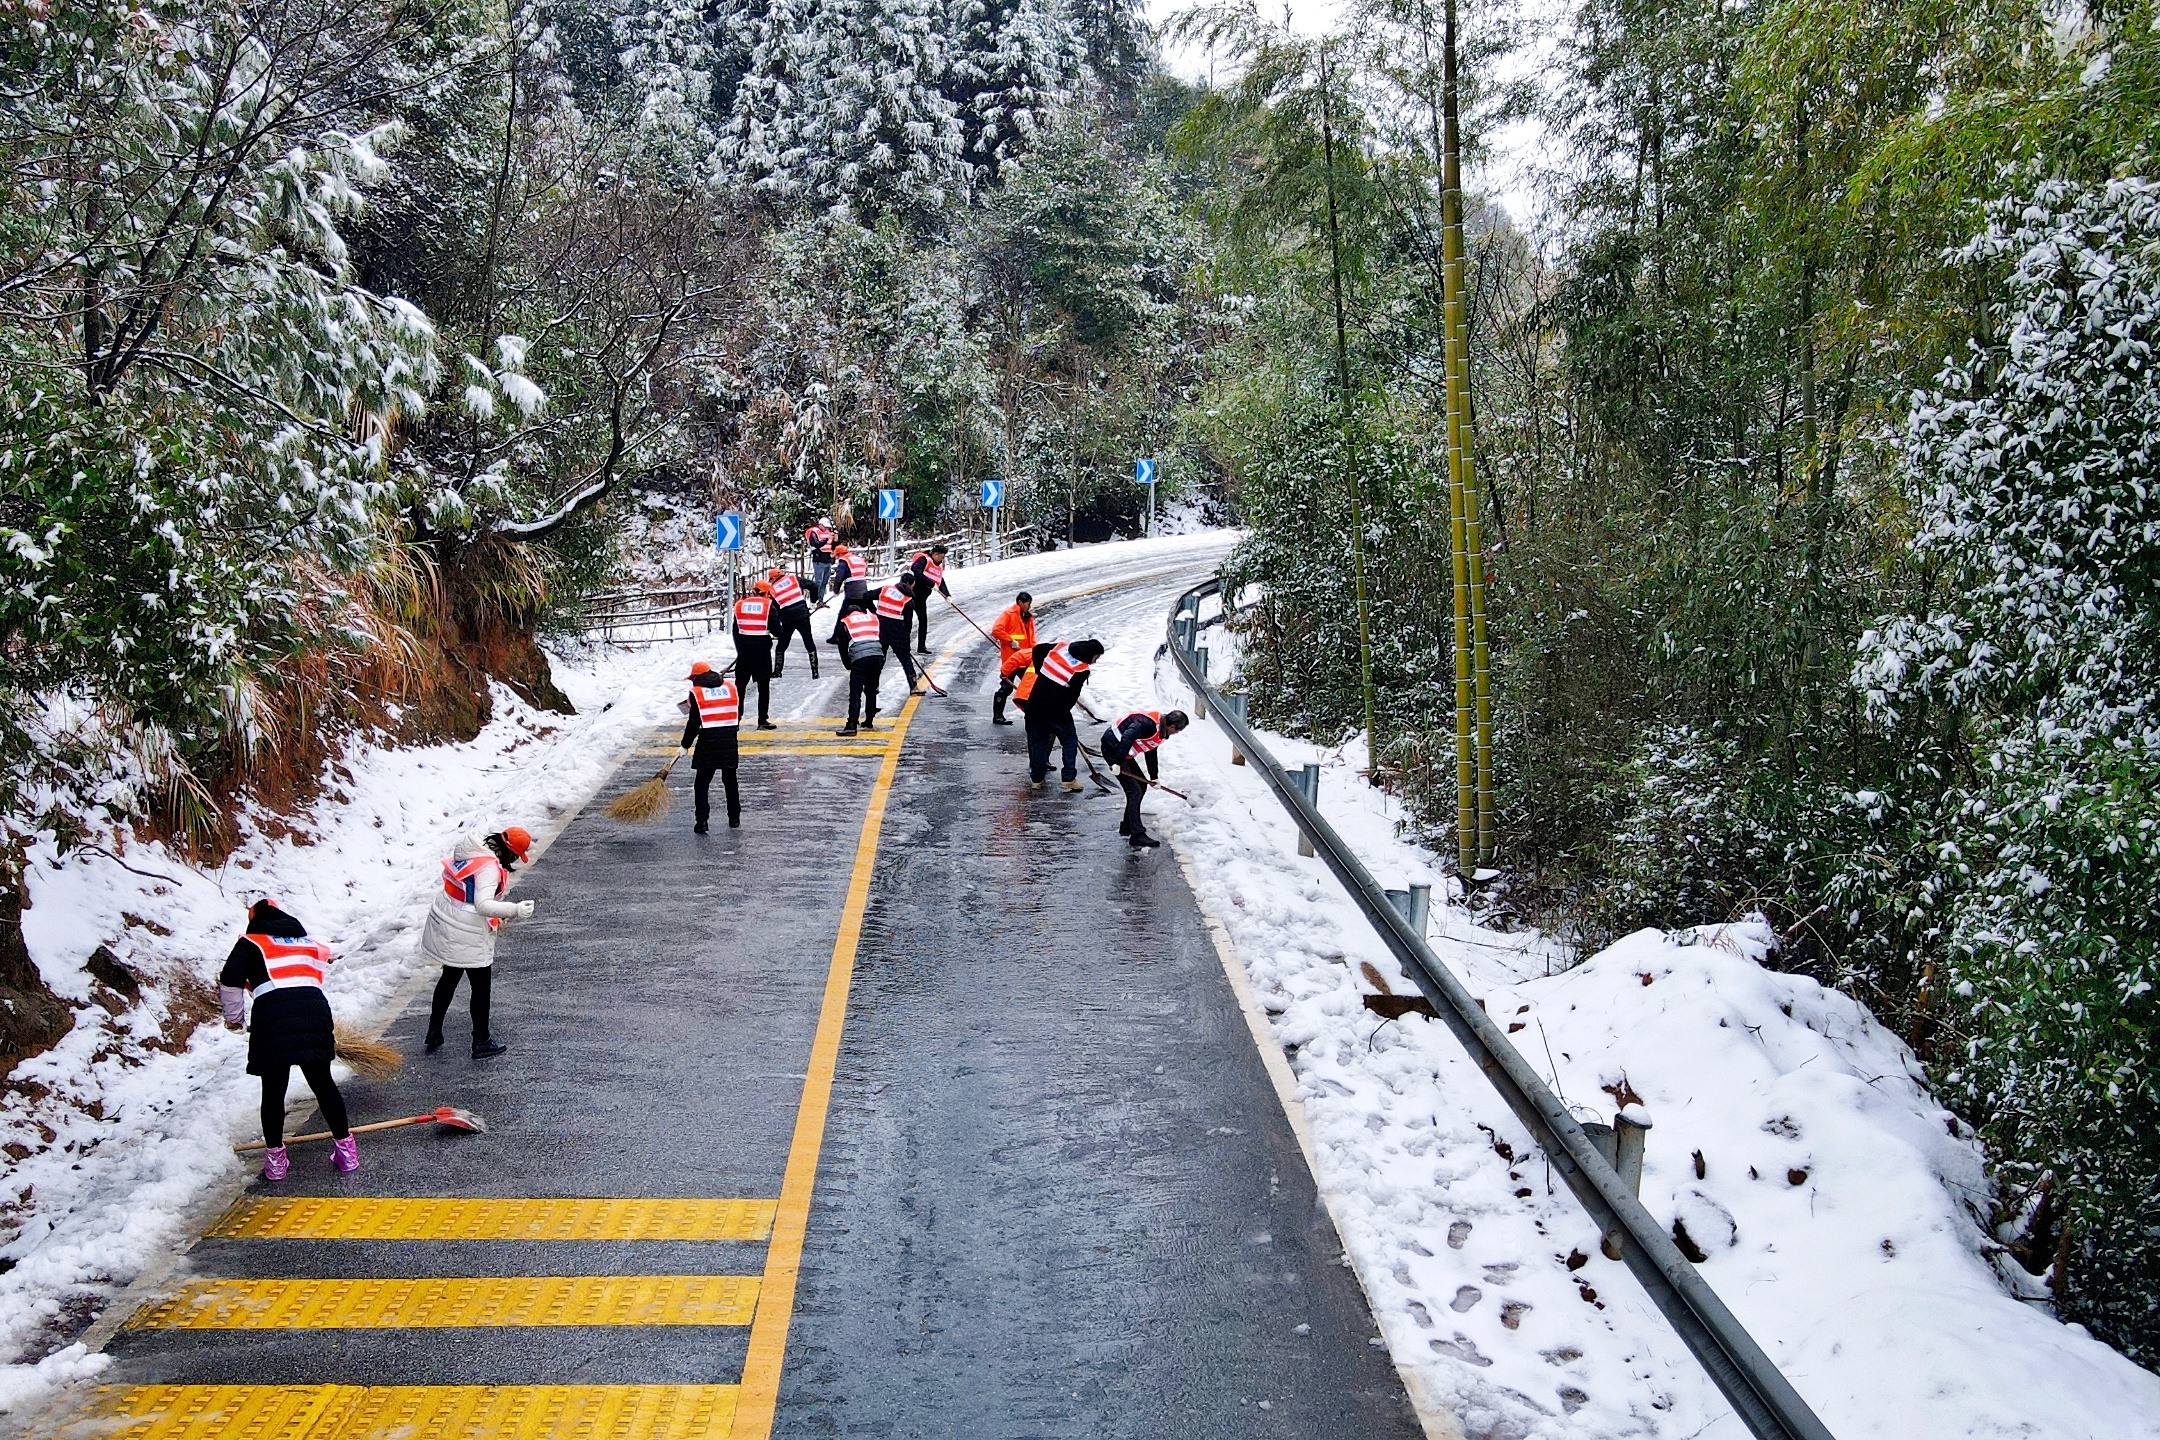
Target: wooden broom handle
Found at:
x=427, y=1119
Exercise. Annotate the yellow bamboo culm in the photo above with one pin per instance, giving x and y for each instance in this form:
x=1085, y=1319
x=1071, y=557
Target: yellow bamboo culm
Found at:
x=1455, y=347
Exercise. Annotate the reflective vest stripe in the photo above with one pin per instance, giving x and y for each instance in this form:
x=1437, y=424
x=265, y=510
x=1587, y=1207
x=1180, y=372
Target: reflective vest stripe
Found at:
x=786, y=591
x=862, y=627
x=293, y=964
x=462, y=881
x=1141, y=747
x=753, y=615
x=932, y=571
x=1059, y=667
x=891, y=603
x=720, y=706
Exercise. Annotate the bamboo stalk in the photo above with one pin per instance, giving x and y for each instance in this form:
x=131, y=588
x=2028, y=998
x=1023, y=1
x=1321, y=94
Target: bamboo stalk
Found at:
x=1462, y=444
x=1453, y=348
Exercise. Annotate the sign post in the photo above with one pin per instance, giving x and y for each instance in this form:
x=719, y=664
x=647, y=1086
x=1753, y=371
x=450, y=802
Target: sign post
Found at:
x=1144, y=474
x=728, y=535
x=993, y=500
x=890, y=504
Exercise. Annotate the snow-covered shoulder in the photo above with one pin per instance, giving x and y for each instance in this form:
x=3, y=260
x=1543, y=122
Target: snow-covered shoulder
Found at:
x=1836, y=1207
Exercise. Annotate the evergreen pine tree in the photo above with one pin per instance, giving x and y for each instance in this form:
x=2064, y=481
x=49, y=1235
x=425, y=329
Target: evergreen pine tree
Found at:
x=667, y=54
x=1011, y=60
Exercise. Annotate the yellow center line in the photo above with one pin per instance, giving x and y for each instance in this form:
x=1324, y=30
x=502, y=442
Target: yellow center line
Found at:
x=760, y=1394
x=441, y=1302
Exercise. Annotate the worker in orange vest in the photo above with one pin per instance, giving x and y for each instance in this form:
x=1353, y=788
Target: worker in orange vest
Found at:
x=753, y=647
x=1014, y=632
x=715, y=707
x=851, y=573
x=862, y=647
x=791, y=614
x=927, y=569
x=892, y=607
x=1140, y=733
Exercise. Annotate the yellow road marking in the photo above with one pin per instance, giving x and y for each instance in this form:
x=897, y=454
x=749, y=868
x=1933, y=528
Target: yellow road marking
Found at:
x=857, y=749
x=760, y=1395
x=437, y=1302
x=457, y=1218
x=405, y=1412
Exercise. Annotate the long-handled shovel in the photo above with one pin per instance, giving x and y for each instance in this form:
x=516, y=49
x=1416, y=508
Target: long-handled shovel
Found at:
x=447, y=1116
x=970, y=619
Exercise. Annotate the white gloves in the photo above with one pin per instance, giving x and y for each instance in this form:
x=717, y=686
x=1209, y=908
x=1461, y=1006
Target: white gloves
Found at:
x=525, y=909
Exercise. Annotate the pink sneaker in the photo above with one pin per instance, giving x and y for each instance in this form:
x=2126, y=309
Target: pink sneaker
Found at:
x=345, y=1154
x=276, y=1163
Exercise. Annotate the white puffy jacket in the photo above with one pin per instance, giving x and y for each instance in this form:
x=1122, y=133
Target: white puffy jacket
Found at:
x=459, y=934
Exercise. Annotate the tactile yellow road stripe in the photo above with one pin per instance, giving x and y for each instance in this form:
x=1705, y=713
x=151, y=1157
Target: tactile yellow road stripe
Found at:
x=837, y=749
x=307, y=1217
x=406, y=1412
x=448, y=1301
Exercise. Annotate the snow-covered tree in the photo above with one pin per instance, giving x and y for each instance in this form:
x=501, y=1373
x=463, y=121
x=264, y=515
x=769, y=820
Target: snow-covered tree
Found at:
x=2035, y=465
x=842, y=109
x=667, y=56
x=1012, y=60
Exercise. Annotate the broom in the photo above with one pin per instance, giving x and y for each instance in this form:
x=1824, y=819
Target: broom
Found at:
x=447, y=1116
x=648, y=801
x=370, y=1059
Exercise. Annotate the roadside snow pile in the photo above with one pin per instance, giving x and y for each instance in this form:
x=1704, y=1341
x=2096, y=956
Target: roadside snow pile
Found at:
x=1840, y=1212
x=118, y=1132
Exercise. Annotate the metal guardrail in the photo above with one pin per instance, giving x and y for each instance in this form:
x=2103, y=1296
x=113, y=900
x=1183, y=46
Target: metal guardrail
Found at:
x=1763, y=1397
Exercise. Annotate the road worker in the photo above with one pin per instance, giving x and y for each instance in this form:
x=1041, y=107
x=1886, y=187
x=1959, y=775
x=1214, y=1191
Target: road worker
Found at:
x=927, y=569
x=276, y=963
x=1140, y=733
x=461, y=923
x=851, y=573
x=715, y=707
x=753, y=648
x=892, y=606
x=856, y=633
x=1061, y=670
x=819, y=540
x=1014, y=632
x=791, y=614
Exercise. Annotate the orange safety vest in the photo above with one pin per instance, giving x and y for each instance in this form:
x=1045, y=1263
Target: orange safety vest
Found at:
x=1141, y=747
x=891, y=603
x=932, y=571
x=1060, y=668
x=1015, y=634
x=718, y=707
x=293, y=964
x=862, y=629
x=786, y=590
x=462, y=882
x=753, y=615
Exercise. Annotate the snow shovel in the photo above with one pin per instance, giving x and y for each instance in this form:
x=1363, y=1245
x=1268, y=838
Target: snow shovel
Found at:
x=448, y=1116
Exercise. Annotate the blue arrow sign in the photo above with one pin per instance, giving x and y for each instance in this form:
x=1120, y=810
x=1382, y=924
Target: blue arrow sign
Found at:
x=889, y=504
x=993, y=494
x=727, y=531
x=1143, y=472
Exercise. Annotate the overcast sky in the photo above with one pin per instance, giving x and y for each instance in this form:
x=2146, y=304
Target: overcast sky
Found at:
x=1514, y=153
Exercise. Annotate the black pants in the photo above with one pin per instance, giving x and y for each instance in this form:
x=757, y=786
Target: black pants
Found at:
x=753, y=666
x=796, y=618
x=483, y=987
x=1135, y=791
x=894, y=634
x=317, y=1075
x=918, y=605
x=728, y=783
x=1041, y=730
x=863, y=677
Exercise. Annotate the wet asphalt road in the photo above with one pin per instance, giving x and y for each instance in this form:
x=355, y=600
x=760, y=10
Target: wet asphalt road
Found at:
x=1057, y=1196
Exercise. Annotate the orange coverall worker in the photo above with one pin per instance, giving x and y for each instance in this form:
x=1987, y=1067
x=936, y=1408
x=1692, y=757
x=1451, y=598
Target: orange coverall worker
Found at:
x=1014, y=632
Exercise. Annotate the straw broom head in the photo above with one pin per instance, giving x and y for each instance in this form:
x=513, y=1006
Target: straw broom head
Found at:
x=645, y=802
x=370, y=1059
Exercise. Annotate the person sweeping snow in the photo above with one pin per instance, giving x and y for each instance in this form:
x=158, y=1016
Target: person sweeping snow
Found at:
x=282, y=969
x=461, y=924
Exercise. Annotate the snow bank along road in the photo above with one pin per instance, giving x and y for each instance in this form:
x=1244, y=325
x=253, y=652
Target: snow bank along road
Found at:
x=915, y=1107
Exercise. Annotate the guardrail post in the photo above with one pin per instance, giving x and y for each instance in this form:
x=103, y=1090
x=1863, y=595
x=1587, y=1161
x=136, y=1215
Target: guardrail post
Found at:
x=1200, y=695
x=1622, y=1144
x=1308, y=782
x=1234, y=706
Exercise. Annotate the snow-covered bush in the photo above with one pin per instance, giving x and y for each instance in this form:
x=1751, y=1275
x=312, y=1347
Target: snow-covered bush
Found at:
x=2036, y=467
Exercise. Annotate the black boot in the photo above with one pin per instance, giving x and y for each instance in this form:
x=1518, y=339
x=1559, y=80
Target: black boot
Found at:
x=1143, y=841
x=433, y=1041
x=484, y=1048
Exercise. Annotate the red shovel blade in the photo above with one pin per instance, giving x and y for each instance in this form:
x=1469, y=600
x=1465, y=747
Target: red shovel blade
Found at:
x=458, y=1119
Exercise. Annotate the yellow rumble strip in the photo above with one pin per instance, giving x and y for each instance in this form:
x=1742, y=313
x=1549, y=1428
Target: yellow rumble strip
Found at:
x=335, y=1218
x=406, y=1412
x=441, y=1301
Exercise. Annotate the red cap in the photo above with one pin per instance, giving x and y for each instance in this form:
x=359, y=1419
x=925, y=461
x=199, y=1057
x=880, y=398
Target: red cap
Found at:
x=700, y=668
x=762, y=587
x=519, y=839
